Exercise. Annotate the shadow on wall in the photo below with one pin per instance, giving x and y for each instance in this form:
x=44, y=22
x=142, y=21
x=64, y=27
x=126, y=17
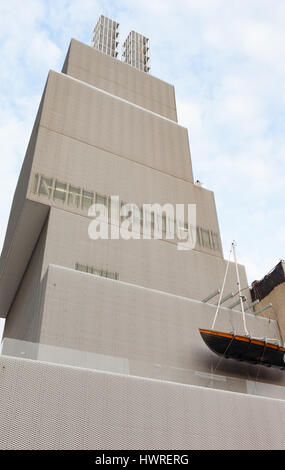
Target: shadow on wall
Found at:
x=230, y=368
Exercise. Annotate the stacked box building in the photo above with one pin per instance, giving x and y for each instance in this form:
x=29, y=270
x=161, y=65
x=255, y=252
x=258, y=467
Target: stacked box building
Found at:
x=101, y=347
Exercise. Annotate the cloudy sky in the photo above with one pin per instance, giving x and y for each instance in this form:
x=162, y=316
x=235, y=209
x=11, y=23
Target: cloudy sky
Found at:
x=226, y=60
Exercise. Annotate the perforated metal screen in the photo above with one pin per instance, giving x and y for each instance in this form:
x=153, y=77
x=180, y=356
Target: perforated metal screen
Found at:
x=45, y=406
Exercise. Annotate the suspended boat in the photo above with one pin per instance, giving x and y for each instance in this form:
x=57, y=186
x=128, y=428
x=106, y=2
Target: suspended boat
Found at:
x=242, y=348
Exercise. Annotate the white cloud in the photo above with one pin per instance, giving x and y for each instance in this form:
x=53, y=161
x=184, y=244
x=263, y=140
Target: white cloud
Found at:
x=42, y=52
x=190, y=115
x=264, y=42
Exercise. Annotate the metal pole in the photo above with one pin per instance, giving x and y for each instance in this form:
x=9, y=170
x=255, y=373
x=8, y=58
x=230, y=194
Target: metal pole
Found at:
x=235, y=304
x=251, y=305
x=211, y=296
x=239, y=290
x=266, y=307
x=227, y=297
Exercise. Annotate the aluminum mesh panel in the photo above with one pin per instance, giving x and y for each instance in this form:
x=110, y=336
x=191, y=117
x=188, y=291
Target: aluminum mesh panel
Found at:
x=44, y=406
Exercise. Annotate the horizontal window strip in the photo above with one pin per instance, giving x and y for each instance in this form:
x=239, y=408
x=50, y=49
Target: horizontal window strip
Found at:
x=82, y=198
x=97, y=272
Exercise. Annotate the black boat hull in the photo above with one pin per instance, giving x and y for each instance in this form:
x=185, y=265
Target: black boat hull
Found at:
x=243, y=348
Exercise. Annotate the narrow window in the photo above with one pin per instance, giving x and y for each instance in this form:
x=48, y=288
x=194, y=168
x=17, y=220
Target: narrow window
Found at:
x=97, y=272
x=60, y=191
x=87, y=199
x=206, y=238
x=164, y=223
x=215, y=240
x=101, y=199
x=112, y=275
x=74, y=196
x=198, y=236
x=45, y=186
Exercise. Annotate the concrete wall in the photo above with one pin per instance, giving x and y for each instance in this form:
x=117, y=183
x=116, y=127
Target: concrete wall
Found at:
x=150, y=263
x=96, y=169
x=29, y=225
x=126, y=130
x=85, y=113
x=110, y=174
x=156, y=332
x=135, y=329
x=18, y=246
x=44, y=406
x=155, y=265
x=24, y=318
x=87, y=135
x=146, y=324
x=91, y=66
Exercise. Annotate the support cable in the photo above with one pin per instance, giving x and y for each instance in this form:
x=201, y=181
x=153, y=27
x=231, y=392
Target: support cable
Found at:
x=222, y=290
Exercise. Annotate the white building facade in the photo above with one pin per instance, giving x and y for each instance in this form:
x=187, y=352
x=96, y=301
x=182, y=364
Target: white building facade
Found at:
x=101, y=347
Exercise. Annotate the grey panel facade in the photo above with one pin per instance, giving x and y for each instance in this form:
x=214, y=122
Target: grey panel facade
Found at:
x=24, y=319
x=90, y=66
x=107, y=129
x=154, y=333
x=57, y=407
x=100, y=119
